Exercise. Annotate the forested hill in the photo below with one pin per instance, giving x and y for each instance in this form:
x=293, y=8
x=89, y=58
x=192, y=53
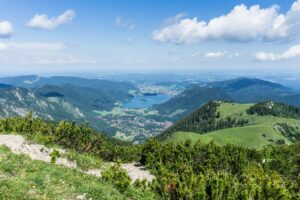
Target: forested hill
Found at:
x=203, y=120
x=248, y=125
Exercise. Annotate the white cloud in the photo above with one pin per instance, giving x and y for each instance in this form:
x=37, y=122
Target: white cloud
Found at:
x=41, y=21
x=292, y=52
x=174, y=19
x=214, y=54
x=6, y=29
x=240, y=24
x=122, y=23
x=32, y=46
x=45, y=60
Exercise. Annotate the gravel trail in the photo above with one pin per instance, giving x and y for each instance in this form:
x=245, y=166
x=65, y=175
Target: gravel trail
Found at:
x=18, y=145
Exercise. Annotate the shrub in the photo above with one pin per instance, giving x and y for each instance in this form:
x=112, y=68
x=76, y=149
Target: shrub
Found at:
x=54, y=155
x=117, y=176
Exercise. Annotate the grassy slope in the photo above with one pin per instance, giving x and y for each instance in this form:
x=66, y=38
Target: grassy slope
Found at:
x=23, y=178
x=250, y=136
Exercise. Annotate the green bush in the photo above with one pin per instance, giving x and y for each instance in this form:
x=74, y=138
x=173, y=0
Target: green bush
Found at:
x=117, y=176
x=54, y=155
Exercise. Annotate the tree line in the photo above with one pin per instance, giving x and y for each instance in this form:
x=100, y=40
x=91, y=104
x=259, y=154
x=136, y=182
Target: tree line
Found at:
x=203, y=120
x=275, y=109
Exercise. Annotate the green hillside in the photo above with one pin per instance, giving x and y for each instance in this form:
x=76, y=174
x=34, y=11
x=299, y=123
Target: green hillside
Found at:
x=260, y=130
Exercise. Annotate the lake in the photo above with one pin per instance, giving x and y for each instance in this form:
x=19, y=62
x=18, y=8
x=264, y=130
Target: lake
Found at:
x=146, y=101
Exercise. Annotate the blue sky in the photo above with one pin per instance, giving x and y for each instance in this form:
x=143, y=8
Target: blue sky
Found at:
x=53, y=36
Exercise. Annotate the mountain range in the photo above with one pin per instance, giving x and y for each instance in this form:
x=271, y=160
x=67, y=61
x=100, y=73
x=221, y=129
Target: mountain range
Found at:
x=79, y=99
x=240, y=90
x=58, y=98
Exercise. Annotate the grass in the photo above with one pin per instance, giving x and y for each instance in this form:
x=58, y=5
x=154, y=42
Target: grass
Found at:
x=254, y=136
x=22, y=178
x=260, y=132
x=233, y=109
x=84, y=161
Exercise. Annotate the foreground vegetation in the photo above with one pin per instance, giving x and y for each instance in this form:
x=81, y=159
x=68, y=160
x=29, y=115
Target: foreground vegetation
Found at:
x=199, y=171
x=69, y=135
x=22, y=178
x=183, y=170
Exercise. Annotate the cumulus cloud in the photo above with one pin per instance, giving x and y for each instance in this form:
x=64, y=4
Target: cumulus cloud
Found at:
x=6, y=29
x=32, y=46
x=214, y=54
x=122, y=23
x=241, y=24
x=292, y=52
x=41, y=21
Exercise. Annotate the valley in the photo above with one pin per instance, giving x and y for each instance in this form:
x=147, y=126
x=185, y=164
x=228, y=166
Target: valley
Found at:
x=144, y=100
x=131, y=111
x=121, y=110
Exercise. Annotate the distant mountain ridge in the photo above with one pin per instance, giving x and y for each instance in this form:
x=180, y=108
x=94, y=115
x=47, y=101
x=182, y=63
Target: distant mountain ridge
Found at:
x=5, y=86
x=240, y=90
x=241, y=83
x=37, y=81
x=193, y=97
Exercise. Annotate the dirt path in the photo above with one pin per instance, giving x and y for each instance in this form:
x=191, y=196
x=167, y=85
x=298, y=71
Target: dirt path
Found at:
x=18, y=145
